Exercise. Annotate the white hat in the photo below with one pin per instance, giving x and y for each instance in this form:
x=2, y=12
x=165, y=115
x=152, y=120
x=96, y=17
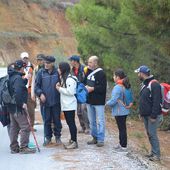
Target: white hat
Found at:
x=24, y=55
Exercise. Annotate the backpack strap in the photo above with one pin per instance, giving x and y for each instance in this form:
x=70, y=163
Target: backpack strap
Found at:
x=94, y=72
x=149, y=85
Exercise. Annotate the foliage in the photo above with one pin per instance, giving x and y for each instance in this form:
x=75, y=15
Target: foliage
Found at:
x=124, y=33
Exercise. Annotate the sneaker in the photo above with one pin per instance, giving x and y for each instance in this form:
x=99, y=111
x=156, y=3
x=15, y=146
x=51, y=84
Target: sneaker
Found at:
x=121, y=149
x=58, y=141
x=27, y=150
x=14, y=151
x=47, y=142
x=73, y=145
x=117, y=147
x=81, y=131
x=149, y=155
x=92, y=142
x=100, y=144
x=154, y=158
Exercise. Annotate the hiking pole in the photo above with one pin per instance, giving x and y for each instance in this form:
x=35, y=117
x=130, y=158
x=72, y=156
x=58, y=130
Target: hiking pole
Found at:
x=32, y=130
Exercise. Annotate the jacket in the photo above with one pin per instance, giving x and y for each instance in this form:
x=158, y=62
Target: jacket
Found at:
x=17, y=87
x=45, y=83
x=67, y=95
x=80, y=74
x=118, y=109
x=149, y=101
x=98, y=81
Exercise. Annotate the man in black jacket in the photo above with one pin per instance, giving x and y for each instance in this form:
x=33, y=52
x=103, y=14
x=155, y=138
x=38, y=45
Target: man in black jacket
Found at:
x=18, y=117
x=96, y=85
x=150, y=108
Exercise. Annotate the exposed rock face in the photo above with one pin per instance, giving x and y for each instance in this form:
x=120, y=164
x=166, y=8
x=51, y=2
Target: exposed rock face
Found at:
x=30, y=27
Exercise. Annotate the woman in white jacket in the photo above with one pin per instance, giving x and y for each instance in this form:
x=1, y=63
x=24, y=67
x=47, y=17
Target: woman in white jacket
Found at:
x=67, y=89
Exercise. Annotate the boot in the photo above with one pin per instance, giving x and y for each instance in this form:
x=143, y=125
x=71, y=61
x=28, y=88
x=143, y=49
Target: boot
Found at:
x=93, y=141
x=73, y=145
x=27, y=150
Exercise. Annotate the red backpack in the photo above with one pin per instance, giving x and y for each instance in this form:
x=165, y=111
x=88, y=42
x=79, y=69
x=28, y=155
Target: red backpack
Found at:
x=165, y=90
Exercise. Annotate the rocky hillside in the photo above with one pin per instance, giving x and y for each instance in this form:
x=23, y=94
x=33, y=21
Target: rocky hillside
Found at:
x=30, y=26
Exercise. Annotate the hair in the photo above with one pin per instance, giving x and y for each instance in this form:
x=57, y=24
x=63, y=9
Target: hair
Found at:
x=120, y=73
x=65, y=71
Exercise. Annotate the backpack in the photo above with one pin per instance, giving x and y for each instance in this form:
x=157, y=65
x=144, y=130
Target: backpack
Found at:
x=5, y=96
x=81, y=92
x=165, y=91
x=4, y=115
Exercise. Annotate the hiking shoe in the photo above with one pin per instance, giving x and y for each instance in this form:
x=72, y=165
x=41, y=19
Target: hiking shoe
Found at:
x=100, y=144
x=69, y=142
x=81, y=131
x=47, y=142
x=27, y=150
x=154, y=158
x=149, y=155
x=14, y=151
x=87, y=131
x=58, y=141
x=73, y=145
x=121, y=149
x=92, y=142
x=117, y=147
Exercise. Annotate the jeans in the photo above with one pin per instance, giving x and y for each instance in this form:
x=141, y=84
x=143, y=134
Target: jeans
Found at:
x=96, y=112
x=70, y=119
x=151, y=129
x=52, y=115
x=121, y=124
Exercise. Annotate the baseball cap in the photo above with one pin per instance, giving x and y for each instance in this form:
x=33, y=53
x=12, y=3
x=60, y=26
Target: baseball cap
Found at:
x=24, y=55
x=143, y=69
x=49, y=59
x=74, y=58
x=40, y=57
x=19, y=64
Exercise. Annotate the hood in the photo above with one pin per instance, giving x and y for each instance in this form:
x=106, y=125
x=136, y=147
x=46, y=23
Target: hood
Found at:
x=12, y=71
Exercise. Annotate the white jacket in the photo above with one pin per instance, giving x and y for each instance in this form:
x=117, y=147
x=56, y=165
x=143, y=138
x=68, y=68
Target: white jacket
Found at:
x=67, y=95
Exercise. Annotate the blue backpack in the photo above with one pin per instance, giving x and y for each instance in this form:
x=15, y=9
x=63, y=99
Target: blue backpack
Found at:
x=81, y=92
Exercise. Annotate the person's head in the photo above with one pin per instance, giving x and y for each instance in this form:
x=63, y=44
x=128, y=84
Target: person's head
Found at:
x=19, y=65
x=74, y=60
x=40, y=59
x=93, y=62
x=63, y=69
x=49, y=62
x=25, y=57
x=119, y=74
x=143, y=72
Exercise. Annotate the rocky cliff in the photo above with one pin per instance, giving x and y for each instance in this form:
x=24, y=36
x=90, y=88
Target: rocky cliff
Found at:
x=30, y=26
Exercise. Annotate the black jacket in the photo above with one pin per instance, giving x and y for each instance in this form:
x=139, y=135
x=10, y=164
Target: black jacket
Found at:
x=17, y=87
x=99, y=82
x=45, y=83
x=150, y=100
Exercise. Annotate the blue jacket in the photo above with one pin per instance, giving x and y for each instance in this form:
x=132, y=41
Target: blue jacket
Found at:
x=118, y=109
x=45, y=83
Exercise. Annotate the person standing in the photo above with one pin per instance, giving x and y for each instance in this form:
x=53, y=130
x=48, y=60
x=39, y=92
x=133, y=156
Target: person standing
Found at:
x=28, y=70
x=96, y=85
x=120, y=104
x=45, y=89
x=150, y=109
x=78, y=71
x=18, y=118
x=67, y=90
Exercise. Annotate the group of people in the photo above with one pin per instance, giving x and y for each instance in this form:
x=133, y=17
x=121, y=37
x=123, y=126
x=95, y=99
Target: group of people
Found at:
x=55, y=87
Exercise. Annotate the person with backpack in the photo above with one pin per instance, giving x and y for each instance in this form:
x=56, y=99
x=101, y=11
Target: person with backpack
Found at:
x=78, y=71
x=150, y=109
x=67, y=89
x=18, y=118
x=28, y=70
x=46, y=80
x=96, y=84
x=120, y=102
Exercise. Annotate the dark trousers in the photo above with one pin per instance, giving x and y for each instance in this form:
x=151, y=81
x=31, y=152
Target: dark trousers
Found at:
x=121, y=124
x=70, y=119
x=52, y=115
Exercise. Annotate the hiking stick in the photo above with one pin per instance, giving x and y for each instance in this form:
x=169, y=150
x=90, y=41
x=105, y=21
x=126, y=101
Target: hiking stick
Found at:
x=32, y=130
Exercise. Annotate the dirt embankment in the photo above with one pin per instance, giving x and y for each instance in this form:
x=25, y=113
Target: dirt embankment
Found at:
x=31, y=27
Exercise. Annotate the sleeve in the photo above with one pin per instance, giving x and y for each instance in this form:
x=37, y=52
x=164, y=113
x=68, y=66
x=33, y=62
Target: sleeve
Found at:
x=116, y=92
x=156, y=99
x=70, y=87
x=101, y=87
x=38, y=83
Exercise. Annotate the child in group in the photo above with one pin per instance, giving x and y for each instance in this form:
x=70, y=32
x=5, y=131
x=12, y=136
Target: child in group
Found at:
x=120, y=102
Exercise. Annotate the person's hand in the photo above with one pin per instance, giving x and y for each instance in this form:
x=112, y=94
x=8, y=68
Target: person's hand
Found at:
x=24, y=106
x=42, y=98
x=58, y=86
x=129, y=106
x=89, y=89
